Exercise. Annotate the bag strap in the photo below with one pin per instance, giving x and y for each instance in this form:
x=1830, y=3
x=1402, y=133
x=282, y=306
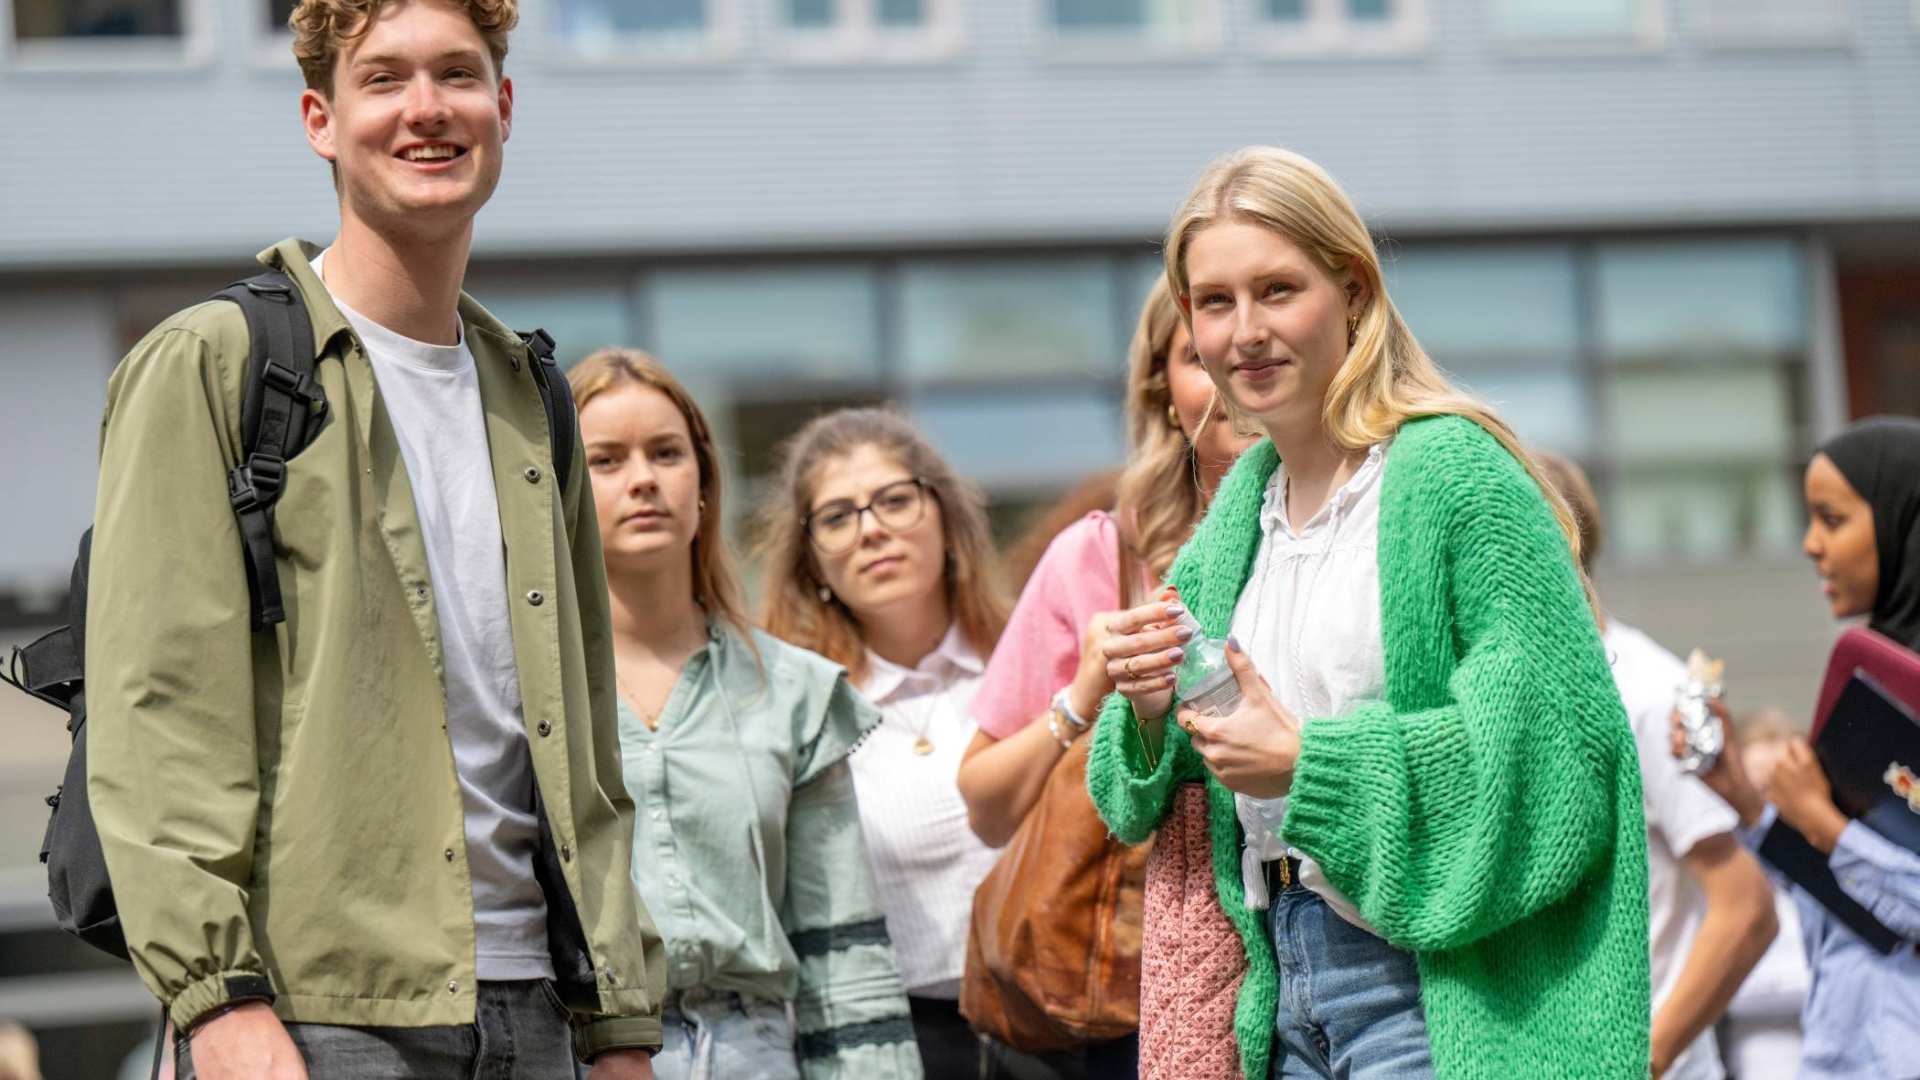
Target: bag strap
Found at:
x=282, y=409
x=556, y=396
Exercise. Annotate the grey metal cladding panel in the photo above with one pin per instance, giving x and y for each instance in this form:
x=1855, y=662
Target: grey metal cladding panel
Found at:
x=1001, y=142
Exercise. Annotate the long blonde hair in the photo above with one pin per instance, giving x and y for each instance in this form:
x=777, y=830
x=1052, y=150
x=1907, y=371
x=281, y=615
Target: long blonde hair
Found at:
x=1158, y=498
x=715, y=584
x=792, y=607
x=1387, y=379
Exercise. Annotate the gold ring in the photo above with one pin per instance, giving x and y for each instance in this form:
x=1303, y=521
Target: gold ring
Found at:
x=1131, y=674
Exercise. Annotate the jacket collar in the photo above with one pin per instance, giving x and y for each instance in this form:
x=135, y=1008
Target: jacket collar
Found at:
x=294, y=257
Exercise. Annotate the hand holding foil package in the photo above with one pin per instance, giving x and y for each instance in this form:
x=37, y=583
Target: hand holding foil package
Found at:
x=1704, y=735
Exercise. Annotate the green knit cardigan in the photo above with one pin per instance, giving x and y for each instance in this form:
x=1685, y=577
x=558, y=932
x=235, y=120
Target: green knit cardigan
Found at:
x=1486, y=815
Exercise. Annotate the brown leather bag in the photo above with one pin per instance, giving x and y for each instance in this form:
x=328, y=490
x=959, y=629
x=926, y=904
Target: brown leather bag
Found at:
x=1053, y=955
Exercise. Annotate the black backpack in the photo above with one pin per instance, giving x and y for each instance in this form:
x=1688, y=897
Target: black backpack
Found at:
x=282, y=410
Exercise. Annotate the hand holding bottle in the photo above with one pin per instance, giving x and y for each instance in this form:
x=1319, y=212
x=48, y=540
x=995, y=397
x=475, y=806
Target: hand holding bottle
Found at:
x=1253, y=747
x=1143, y=646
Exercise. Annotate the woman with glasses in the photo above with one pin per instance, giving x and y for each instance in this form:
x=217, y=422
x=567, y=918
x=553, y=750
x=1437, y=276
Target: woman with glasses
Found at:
x=877, y=557
x=746, y=839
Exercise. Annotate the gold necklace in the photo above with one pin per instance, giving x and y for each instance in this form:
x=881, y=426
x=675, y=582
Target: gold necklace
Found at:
x=651, y=719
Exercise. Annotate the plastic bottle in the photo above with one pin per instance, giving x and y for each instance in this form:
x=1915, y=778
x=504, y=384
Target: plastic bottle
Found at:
x=1202, y=680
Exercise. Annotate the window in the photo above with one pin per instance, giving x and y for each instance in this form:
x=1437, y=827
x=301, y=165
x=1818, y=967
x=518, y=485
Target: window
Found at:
x=88, y=33
x=1577, y=21
x=1762, y=23
x=992, y=436
x=866, y=30
x=1174, y=25
x=647, y=29
x=971, y=319
x=797, y=323
x=1306, y=27
x=581, y=318
x=278, y=12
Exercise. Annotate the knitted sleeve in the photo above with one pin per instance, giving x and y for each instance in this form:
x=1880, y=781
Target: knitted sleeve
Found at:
x=1129, y=788
x=1489, y=793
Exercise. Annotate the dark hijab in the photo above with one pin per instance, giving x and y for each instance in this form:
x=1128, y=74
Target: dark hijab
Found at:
x=1880, y=457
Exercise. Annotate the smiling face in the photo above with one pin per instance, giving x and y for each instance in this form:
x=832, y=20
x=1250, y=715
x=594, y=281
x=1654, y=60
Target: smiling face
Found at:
x=887, y=568
x=416, y=120
x=1269, y=321
x=646, y=478
x=1840, y=540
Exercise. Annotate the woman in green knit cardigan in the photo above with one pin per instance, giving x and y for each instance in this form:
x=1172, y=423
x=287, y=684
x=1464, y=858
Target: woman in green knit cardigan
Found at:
x=1429, y=784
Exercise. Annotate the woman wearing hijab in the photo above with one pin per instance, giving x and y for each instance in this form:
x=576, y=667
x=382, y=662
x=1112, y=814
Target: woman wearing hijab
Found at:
x=1862, y=1015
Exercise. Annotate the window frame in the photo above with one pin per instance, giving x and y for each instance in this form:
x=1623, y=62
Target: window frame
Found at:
x=193, y=50
x=1327, y=30
x=1650, y=33
x=720, y=41
x=1056, y=44
x=855, y=36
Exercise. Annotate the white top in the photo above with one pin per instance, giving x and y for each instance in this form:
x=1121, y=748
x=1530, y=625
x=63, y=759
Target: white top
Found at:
x=1681, y=812
x=432, y=394
x=926, y=860
x=1309, y=618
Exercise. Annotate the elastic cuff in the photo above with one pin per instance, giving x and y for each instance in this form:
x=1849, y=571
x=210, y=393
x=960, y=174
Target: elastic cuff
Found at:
x=215, y=991
x=1346, y=764
x=616, y=1033
x=1128, y=795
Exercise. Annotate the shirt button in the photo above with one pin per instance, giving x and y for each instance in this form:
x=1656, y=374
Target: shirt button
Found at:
x=566, y=852
x=449, y=854
x=532, y=474
x=536, y=597
x=544, y=728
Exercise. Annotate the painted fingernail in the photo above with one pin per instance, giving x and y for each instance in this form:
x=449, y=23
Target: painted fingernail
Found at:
x=1174, y=655
x=1172, y=678
x=1183, y=634
x=1234, y=643
x=1175, y=610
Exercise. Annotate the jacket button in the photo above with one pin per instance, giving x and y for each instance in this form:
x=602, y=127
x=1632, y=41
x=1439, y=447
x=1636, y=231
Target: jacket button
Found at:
x=545, y=729
x=532, y=474
x=536, y=597
x=420, y=591
x=612, y=979
x=452, y=987
x=566, y=852
x=449, y=854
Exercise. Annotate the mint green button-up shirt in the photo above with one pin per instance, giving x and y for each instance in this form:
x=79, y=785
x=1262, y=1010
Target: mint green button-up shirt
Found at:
x=748, y=852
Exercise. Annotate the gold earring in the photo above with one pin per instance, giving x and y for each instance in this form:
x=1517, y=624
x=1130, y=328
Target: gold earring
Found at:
x=1173, y=417
x=1353, y=330
x=826, y=595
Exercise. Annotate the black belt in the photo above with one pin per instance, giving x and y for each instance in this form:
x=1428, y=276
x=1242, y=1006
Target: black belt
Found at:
x=1282, y=874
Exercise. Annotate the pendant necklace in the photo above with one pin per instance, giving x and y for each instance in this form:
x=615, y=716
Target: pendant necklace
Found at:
x=921, y=744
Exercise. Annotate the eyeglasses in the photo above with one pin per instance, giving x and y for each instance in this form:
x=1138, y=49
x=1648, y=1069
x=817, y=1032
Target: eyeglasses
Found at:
x=835, y=527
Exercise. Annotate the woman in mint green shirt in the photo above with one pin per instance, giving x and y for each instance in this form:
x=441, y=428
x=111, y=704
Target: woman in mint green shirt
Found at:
x=747, y=842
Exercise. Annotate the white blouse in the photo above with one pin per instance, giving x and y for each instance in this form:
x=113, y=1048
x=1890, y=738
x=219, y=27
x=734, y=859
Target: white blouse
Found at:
x=926, y=860
x=1309, y=617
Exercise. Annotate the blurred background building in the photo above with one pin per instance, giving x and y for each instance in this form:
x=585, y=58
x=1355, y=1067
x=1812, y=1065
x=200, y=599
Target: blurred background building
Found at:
x=1678, y=240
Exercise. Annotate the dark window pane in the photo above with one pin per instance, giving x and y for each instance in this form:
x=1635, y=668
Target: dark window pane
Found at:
x=810, y=13
x=1369, y=10
x=41, y=19
x=902, y=12
x=1099, y=13
x=1286, y=10
x=596, y=18
x=278, y=12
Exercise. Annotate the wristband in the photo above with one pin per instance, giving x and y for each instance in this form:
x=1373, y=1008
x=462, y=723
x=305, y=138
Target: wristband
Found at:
x=1064, y=707
x=1053, y=726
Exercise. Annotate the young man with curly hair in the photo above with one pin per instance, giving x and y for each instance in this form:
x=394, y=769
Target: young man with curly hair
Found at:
x=386, y=836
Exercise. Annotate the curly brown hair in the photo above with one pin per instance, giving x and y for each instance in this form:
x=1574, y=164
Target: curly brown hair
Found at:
x=322, y=30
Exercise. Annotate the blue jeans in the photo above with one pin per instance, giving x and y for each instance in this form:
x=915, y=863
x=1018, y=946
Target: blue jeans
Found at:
x=520, y=1032
x=1349, y=1002
x=723, y=1036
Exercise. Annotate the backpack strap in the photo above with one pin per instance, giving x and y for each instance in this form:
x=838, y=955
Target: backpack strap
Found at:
x=281, y=411
x=556, y=396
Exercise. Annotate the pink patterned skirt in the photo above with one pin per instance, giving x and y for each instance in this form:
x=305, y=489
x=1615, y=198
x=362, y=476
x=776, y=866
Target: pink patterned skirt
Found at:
x=1191, y=961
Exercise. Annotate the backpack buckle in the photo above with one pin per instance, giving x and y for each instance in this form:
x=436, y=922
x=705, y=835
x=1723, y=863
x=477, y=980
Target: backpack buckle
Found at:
x=289, y=382
x=255, y=483
x=541, y=345
x=278, y=290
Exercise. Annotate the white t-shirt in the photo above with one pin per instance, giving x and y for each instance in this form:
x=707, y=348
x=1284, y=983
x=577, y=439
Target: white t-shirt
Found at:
x=1681, y=812
x=926, y=860
x=1309, y=616
x=432, y=394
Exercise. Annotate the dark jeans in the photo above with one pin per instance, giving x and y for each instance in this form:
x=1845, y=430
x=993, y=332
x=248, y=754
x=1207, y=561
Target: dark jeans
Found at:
x=952, y=1050
x=949, y=1047
x=519, y=1032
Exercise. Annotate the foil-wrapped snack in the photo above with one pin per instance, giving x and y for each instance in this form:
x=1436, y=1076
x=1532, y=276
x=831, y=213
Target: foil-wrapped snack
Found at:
x=1705, y=738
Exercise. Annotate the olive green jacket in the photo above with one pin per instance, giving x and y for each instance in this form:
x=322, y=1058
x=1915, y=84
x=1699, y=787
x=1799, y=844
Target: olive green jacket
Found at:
x=279, y=810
